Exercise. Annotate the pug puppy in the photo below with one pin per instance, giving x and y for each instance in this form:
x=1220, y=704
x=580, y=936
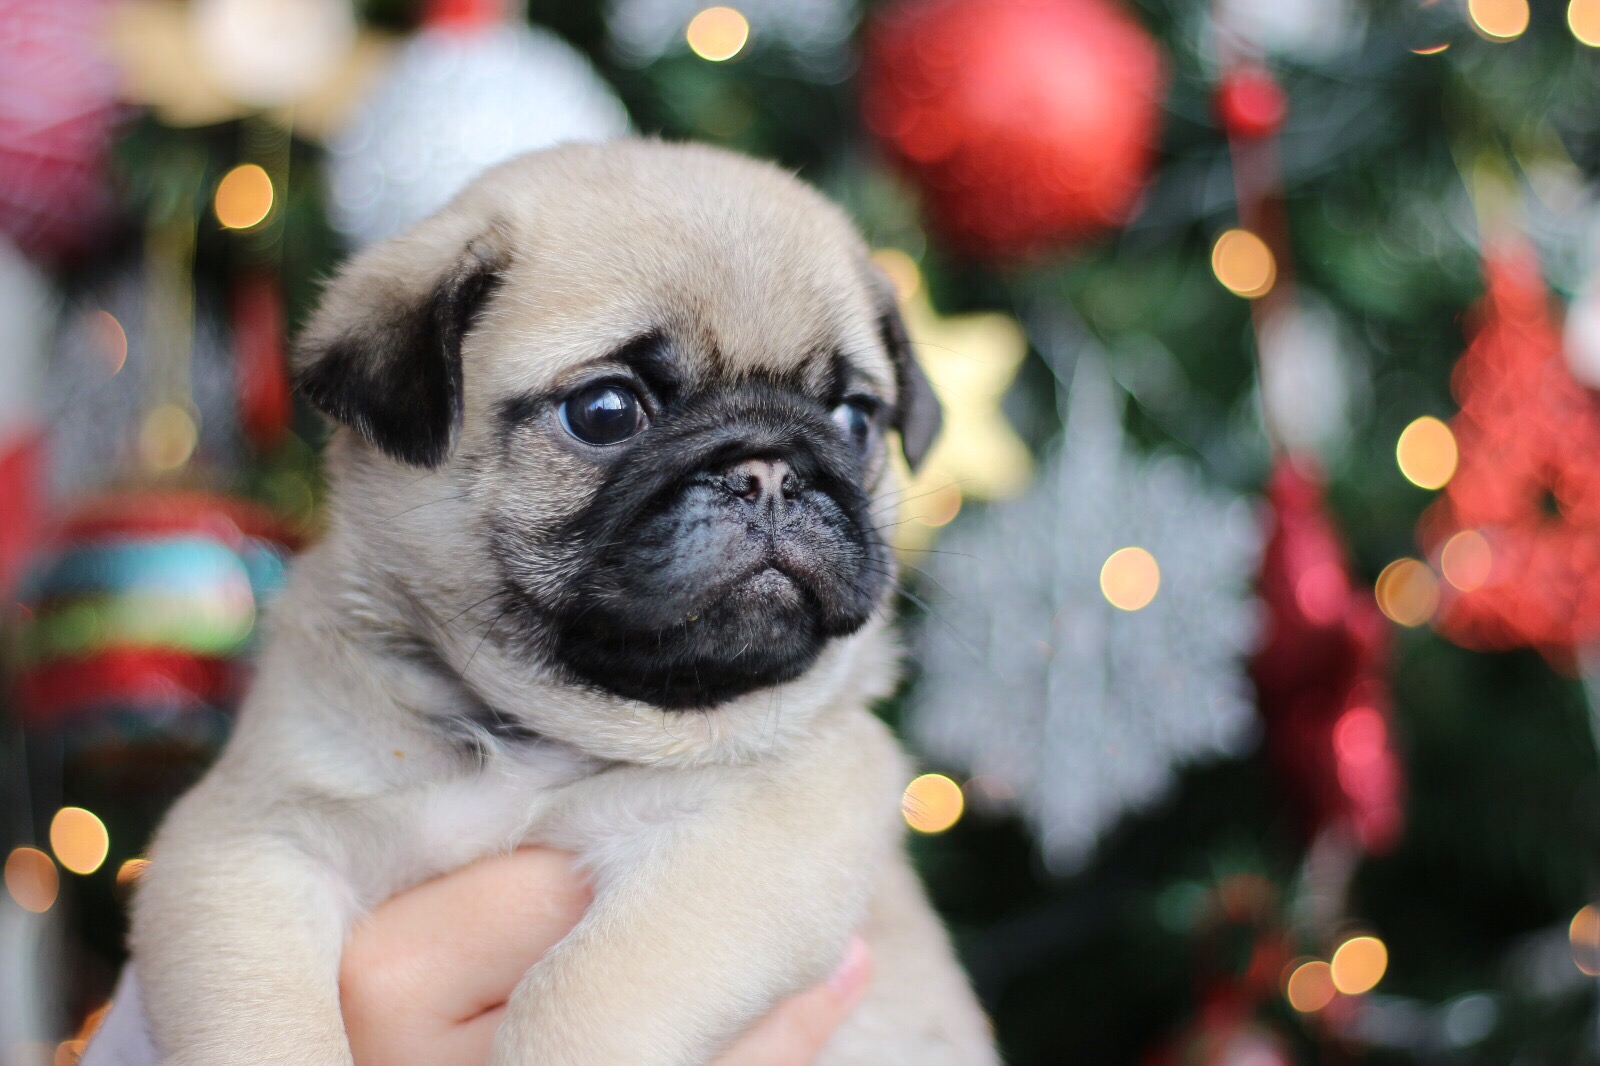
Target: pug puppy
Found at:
x=605, y=569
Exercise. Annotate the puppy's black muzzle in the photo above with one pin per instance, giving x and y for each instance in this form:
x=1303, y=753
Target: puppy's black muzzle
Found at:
x=722, y=552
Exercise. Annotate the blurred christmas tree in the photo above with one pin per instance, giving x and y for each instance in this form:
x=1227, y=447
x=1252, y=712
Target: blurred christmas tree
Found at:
x=1262, y=294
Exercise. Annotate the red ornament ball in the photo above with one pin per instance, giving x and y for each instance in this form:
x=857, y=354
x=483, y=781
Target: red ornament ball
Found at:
x=58, y=110
x=1250, y=103
x=1028, y=124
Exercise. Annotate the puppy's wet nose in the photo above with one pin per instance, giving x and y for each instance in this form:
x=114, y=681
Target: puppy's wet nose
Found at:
x=762, y=482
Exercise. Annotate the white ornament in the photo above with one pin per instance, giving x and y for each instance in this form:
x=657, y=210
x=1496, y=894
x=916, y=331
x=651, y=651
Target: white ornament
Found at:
x=27, y=314
x=1080, y=710
x=454, y=103
x=268, y=53
x=1581, y=336
x=1307, y=30
x=1307, y=385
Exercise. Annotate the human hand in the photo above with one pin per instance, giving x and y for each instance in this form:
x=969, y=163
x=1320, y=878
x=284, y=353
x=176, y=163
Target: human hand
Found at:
x=425, y=978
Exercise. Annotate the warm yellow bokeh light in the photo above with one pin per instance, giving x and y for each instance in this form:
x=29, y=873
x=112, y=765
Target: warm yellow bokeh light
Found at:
x=131, y=870
x=901, y=270
x=1499, y=20
x=1407, y=592
x=244, y=197
x=1359, y=965
x=1432, y=49
x=939, y=507
x=1583, y=18
x=1310, y=986
x=1585, y=936
x=1243, y=263
x=79, y=839
x=93, y=1021
x=31, y=879
x=1130, y=578
x=1466, y=560
x=932, y=803
x=718, y=33
x=168, y=437
x=1427, y=453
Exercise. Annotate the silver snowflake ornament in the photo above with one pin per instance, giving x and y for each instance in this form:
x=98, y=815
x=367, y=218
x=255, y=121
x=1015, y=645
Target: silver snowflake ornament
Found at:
x=1076, y=709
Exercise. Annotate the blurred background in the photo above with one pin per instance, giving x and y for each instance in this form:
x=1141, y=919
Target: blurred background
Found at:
x=1252, y=588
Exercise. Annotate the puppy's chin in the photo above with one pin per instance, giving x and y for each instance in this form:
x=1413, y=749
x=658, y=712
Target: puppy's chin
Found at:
x=762, y=630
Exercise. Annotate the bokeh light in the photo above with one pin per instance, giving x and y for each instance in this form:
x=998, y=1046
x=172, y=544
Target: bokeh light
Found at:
x=1243, y=263
x=1310, y=986
x=1427, y=453
x=1130, y=578
x=1583, y=19
x=1584, y=933
x=1407, y=592
x=79, y=839
x=901, y=270
x=932, y=803
x=109, y=338
x=1360, y=736
x=718, y=33
x=168, y=437
x=92, y=1022
x=1432, y=49
x=1466, y=560
x=1359, y=964
x=940, y=506
x=31, y=879
x=1322, y=592
x=244, y=197
x=987, y=790
x=131, y=870
x=1499, y=20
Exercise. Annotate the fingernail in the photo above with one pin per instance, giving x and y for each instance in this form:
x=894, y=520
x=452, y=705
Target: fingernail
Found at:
x=849, y=980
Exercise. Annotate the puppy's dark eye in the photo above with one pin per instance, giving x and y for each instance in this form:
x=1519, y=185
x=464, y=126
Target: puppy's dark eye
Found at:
x=603, y=414
x=854, y=419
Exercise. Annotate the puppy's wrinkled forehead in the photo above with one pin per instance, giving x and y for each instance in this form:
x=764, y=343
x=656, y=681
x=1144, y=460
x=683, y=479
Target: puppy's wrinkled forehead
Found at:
x=553, y=263
x=734, y=269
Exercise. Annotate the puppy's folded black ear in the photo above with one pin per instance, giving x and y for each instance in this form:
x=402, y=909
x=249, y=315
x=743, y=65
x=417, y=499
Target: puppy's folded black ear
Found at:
x=382, y=353
x=917, y=412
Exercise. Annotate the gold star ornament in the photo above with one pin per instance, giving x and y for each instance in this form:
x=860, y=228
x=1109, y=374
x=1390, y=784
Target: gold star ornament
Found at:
x=971, y=361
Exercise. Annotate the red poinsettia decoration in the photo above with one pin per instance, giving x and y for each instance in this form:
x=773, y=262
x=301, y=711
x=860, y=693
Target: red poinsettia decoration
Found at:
x=1517, y=530
x=1322, y=673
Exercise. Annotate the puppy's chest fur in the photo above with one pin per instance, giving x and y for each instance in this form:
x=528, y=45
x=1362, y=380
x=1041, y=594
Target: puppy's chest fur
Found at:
x=503, y=805
x=519, y=793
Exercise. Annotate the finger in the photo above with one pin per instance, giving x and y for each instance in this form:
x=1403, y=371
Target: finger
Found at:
x=798, y=1028
x=455, y=946
x=466, y=1044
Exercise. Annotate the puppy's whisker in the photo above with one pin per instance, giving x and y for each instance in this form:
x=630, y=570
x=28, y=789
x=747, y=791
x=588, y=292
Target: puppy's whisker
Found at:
x=952, y=483
x=937, y=551
x=966, y=644
x=487, y=633
x=925, y=576
x=417, y=481
x=453, y=618
x=420, y=506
